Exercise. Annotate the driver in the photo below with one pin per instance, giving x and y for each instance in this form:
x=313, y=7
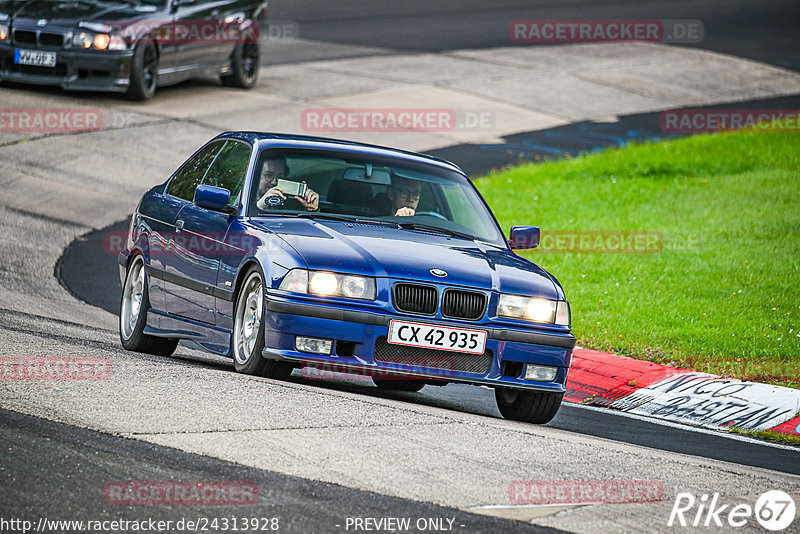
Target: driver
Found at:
x=404, y=195
x=274, y=169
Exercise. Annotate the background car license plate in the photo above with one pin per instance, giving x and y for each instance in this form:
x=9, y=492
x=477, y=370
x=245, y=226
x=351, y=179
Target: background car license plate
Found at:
x=437, y=337
x=35, y=57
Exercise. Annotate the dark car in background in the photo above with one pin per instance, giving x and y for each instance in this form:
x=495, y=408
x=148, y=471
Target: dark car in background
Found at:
x=129, y=46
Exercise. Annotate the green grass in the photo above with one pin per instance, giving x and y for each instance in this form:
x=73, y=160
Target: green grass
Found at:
x=723, y=295
x=769, y=435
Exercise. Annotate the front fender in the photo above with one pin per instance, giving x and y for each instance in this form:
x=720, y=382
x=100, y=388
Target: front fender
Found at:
x=251, y=245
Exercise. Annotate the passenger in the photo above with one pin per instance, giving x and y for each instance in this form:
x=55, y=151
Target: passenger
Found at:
x=273, y=170
x=404, y=196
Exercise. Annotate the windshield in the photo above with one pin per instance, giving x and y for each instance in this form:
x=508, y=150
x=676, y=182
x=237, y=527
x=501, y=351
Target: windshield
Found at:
x=381, y=191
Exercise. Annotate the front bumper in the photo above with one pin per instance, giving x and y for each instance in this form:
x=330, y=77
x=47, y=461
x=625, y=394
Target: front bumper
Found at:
x=74, y=70
x=360, y=347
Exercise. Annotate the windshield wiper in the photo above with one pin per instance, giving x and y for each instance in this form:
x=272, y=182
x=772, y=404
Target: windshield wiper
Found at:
x=324, y=216
x=434, y=229
x=333, y=217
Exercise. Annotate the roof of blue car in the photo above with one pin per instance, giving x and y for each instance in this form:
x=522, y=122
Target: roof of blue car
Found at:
x=324, y=142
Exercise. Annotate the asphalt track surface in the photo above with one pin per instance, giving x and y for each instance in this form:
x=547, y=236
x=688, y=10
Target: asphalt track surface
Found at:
x=82, y=457
x=766, y=31
x=75, y=458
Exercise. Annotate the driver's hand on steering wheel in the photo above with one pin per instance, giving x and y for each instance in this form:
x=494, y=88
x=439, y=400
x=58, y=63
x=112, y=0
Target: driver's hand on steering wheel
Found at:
x=271, y=192
x=274, y=192
x=405, y=212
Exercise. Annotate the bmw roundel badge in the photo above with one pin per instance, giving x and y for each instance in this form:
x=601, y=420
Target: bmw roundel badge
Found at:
x=439, y=272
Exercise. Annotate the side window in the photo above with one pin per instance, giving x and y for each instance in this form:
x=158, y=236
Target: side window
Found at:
x=192, y=173
x=230, y=168
x=462, y=209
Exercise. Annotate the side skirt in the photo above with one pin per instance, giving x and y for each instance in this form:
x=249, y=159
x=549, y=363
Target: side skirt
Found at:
x=174, y=75
x=212, y=338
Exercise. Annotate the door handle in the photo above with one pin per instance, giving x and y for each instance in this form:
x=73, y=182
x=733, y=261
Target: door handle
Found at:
x=179, y=224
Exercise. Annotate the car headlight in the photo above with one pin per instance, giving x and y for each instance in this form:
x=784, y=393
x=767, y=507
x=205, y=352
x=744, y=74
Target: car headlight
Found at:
x=329, y=284
x=99, y=41
x=534, y=309
x=84, y=40
x=4, y=28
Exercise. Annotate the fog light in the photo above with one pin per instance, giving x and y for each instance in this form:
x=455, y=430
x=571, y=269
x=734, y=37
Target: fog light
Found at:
x=313, y=345
x=540, y=373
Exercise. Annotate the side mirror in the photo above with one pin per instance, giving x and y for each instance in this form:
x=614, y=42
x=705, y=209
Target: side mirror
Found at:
x=213, y=198
x=522, y=237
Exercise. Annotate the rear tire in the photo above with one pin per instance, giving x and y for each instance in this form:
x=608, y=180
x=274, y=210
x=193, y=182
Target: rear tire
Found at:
x=245, y=64
x=133, y=314
x=247, y=341
x=388, y=384
x=144, y=71
x=537, y=407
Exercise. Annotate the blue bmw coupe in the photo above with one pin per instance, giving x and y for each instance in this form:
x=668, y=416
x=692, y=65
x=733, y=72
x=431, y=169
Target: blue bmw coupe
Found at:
x=285, y=251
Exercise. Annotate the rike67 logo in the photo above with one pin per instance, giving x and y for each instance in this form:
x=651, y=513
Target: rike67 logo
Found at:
x=774, y=510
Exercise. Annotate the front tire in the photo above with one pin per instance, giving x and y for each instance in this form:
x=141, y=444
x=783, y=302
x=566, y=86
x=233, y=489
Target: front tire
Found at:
x=133, y=314
x=144, y=72
x=247, y=341
x=537, y=407
x=245, y=64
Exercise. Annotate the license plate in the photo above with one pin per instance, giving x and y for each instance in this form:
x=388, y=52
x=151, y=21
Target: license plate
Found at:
x=35, y=57
x=431, y=336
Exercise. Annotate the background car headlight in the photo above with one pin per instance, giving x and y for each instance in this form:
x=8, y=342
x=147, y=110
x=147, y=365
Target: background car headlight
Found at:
x=329, y=284
x=533, y=309
x=99, y=41
x=84, y=40
x=3, y=32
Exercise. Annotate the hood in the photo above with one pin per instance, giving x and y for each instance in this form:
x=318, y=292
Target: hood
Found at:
x=386, y=251
x=9, y=7
x=71, y=12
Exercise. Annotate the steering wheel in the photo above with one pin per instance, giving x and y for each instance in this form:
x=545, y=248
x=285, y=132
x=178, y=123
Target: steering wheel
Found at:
x=432, y=214
x=274, y=201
